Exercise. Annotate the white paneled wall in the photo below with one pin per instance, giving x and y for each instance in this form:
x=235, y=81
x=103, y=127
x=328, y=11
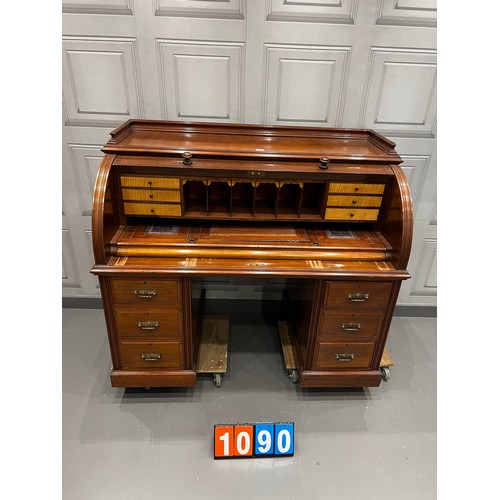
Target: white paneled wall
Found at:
x=304, y=84
x=332, y=63
x=100, y=80
x=201, y=81
x=400, y=93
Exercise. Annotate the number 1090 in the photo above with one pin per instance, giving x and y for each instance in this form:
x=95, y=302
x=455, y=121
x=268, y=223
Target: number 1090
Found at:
x=254, y=440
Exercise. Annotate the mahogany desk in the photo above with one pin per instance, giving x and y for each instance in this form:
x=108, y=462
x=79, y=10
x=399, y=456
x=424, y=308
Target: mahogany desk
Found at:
x=329, y=210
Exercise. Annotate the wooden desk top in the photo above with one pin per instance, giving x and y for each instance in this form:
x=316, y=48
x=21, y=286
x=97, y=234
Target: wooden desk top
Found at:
x=250, y=141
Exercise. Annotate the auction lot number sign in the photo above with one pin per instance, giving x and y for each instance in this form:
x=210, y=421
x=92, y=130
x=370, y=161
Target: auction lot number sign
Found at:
x=254, y=440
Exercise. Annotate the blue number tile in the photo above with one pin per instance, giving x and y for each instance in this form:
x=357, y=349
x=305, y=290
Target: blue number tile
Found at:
x=284, y=439
x=264, y=439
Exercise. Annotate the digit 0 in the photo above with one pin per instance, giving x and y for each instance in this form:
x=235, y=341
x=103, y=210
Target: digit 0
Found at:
x=284, y=439
x=243, y=438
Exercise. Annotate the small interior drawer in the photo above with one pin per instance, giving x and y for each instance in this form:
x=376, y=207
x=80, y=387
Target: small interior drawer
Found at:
x=357, y=294
x=353, y=201
x=152, y=209
x=145, y=291
x=149, y=182
x=151, y=195
x=330, y=355
x=359, y=188
x=349, y=324
x=151, y=354
x=363, y=214
x=149, y=323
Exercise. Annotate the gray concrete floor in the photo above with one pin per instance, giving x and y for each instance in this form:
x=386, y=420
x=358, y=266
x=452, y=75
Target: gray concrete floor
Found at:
x=377, y=443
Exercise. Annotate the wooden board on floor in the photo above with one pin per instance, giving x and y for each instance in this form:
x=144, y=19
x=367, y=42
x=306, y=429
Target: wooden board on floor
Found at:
x=386, y=359
x=212, y=357
x=287, y=346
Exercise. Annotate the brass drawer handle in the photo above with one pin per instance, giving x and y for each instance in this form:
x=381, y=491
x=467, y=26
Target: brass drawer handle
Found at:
x=151, y=357
x=323, y=163
x=344, y=357
x=148, y=325
x=351, y=327
x=357, y=297
x=145, y=294
x=187, y=158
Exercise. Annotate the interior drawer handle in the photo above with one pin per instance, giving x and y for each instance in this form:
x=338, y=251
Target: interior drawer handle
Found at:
x=145, y=294
x=344, y=357
x=151, y=357
x=357, y=297
x=148, y=325
x=351, y=327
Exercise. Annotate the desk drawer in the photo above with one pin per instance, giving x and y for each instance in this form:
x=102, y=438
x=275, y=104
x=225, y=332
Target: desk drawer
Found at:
x=149, y=323
x=355, y=188
x=330, y=355
x=152, y=209
x=151, y=354
x=354, y=201
x=145, y=291
x=151, y=195
x=354, y=325
x=367, y=214
x=149, y=182
x=357, y=294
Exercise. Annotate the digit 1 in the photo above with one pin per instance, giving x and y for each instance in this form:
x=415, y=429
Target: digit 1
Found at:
x=223, y=441
x=243, y=439
x=264, y=439
x=284, y=439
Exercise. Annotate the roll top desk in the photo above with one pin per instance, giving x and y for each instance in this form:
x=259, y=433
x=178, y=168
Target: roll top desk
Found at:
x=327, y=210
